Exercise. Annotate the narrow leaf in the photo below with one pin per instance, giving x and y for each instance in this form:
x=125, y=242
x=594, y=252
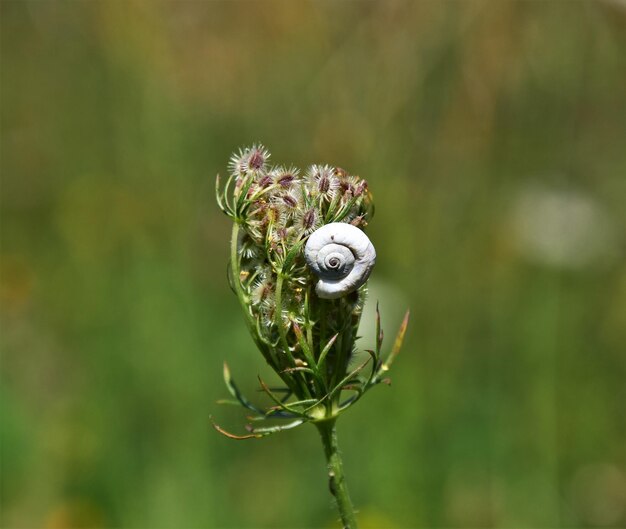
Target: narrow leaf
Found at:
x=273, y=413
x=379, y=332
x=304, y=346
x=375, y=360
x=225, y=193
x=229, y=402
x=397, y=344
x=243, y=194
x=292, y=255
x=217, y=193
x=347, y=379
x=282, y=405
x=305, y=402
x=269, y=430
x=345, y=210
x=232, y=435
x=327, y=348
x=234, y=391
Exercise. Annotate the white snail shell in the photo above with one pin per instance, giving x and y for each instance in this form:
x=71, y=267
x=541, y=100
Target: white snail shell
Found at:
x=341, y=256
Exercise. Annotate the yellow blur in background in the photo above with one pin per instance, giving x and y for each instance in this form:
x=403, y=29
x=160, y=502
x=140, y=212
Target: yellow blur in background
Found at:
x=492, y=135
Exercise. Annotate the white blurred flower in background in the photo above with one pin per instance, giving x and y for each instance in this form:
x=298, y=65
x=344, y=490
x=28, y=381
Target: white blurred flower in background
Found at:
x=562, y=227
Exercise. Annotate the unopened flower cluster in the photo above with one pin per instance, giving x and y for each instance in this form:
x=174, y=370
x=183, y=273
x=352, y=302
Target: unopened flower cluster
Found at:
x=299, y=265
x=274, y=209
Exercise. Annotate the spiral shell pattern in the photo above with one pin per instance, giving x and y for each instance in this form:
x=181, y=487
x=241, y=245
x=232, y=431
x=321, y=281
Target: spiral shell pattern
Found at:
x=341, y=256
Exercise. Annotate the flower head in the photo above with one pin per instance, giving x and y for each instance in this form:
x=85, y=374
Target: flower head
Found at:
x=299, y=266
x=251, y=160
x=323, y=181
x=286, y=178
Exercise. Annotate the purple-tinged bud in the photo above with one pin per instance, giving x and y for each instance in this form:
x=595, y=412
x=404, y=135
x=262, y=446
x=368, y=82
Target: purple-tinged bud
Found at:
x=286, y=180
x=289, y=201
x=265, y=181
x=323, y=184
x=256, y=160
x=308, y=219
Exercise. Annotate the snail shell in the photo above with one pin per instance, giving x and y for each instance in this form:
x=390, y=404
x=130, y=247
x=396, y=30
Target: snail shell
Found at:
x=341, y=256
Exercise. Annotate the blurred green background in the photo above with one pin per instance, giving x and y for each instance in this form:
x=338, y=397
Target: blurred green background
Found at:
x=493, y=135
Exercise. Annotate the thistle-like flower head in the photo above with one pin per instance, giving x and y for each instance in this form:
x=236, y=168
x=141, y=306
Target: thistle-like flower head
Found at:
x=299, y=265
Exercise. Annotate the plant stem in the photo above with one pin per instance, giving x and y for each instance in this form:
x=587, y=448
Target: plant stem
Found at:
x=301, y=382
x=234, y=271
x=278, y=314
x=337, y=481
x=243, y=297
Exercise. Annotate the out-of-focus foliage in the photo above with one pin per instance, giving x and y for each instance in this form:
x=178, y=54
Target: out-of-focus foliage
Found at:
x=492, y=135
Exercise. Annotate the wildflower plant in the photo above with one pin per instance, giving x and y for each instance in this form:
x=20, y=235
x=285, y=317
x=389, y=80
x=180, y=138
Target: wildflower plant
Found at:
x=299, y=264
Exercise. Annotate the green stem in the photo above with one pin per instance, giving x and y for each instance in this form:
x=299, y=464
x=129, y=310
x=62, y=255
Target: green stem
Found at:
x=278, y=320
x=234, y=271
x=278, y=314
x=243, y=297
x=343, y=347
x=337, y=480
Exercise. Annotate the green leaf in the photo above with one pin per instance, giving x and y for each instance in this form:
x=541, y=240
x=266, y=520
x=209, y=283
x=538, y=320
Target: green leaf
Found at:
x=234, y=391
x=363, y=388
x=397, y=344
x=277, y=401
x=305, y=402
x=243, y=192
x=269, y=430
x=331, y=209
x=345, y=210
x=218, y=193
x=304, y=346
x=291, y=255
x=226, y=192
x=327, y=348
x=220, y=196
x=232, y=435
x=375, y=361
x=347, y=379
x=379, y=332
x=309, y=357
x=229, y=402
